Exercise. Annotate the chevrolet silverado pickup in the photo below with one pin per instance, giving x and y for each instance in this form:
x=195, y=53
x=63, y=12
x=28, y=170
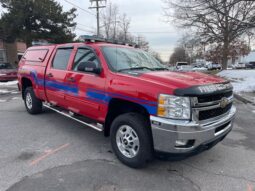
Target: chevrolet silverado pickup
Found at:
x=128, y=95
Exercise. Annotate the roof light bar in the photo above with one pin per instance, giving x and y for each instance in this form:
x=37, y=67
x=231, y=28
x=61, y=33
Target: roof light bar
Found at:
x=88, y=38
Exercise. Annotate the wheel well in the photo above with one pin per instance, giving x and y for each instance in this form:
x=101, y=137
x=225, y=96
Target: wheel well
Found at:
x=25, y=83
x=117, y=107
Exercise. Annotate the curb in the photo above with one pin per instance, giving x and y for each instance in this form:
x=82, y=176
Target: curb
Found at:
x=242, y=99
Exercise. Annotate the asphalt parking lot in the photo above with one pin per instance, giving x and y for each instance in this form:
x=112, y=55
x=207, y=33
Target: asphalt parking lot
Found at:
x=49, y=152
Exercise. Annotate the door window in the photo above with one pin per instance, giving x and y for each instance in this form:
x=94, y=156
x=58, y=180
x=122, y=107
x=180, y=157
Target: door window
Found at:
x=84, y=55
x=61, y=59
x=37, y=55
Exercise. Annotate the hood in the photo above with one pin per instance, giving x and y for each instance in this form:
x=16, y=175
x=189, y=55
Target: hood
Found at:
x=181, y=79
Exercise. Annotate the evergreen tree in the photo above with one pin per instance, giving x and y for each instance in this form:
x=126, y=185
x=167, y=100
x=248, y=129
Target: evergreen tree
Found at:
x=37, y=19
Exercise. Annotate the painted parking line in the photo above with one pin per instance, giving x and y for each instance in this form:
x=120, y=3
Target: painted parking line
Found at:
x=4, y=91
x=47, y=154
x=16, y=98
x=15, y=92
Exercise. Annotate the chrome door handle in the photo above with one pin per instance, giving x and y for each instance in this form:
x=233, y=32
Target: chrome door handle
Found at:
x=71, y=79
x=50, y=75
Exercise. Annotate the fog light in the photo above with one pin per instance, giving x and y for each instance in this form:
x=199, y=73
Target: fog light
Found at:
x=181, y=143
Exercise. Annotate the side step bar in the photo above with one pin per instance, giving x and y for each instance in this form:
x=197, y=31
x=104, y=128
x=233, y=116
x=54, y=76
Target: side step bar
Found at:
x=96, y=126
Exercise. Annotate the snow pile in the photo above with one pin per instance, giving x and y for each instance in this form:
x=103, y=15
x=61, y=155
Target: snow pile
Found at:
x=242, y=80
x=4, y=91
x=10, y=83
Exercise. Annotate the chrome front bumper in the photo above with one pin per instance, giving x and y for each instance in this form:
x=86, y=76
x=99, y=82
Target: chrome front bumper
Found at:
x=180, y=136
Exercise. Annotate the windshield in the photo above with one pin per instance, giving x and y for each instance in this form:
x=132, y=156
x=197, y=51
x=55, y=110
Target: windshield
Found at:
x=5, y=66
x=120, y=59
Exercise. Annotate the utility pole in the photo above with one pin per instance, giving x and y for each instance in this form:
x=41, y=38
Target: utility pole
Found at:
x=97, y=6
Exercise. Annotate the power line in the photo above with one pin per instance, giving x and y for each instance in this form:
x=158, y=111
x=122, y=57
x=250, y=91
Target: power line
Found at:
x=76, y=6
x=84, y=30
x=156, y=32
x=92, y=28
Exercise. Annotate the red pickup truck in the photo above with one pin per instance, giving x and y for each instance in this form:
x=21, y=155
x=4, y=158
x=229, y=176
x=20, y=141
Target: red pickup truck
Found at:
x=127, y=94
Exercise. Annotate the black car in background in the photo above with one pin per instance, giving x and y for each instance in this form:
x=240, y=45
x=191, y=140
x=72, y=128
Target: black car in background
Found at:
x=250, y=65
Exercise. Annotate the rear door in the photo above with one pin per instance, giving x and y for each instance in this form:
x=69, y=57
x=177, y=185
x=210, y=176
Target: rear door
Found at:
x=55, y=85
x=90, y=99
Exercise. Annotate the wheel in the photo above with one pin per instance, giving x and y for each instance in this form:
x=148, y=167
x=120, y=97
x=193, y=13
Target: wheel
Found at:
x=131, y=139
x=33, y=105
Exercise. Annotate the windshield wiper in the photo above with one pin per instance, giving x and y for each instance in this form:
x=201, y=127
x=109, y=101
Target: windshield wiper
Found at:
x=135, y=68
x=160, y=69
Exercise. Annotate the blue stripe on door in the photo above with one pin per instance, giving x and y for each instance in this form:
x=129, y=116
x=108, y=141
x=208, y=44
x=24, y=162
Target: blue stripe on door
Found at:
x=92, y=94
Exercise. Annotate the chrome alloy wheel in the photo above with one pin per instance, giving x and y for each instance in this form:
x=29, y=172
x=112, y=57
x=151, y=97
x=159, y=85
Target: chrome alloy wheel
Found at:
x=29, y=101
x=127, y=141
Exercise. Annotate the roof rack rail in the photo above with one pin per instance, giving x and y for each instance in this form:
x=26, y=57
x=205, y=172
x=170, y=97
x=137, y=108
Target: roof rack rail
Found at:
x=88, y=38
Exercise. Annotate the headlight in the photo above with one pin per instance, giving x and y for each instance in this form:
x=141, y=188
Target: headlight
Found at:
x=173, y=107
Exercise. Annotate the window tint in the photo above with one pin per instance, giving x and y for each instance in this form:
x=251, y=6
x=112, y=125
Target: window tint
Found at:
x=36, y=55
x=84, y=55
x=61, y=59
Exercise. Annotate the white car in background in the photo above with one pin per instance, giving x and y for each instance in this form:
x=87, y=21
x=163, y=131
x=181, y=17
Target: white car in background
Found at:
x=183, y=66
x=199, y=69
x=239, y=66
x=213, y=66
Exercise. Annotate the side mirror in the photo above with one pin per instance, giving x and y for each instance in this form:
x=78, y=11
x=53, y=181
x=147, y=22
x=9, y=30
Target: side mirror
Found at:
x=90, y=67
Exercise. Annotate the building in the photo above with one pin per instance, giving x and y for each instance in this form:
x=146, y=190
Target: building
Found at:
x=250, y=58
x=10, y=52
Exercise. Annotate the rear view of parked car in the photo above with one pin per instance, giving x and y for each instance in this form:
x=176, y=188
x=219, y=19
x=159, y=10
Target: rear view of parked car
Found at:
x=250, y=65
x=213, y=66
x=198, y=68
x=239, y=66
x=183, y=66
x=7, y=72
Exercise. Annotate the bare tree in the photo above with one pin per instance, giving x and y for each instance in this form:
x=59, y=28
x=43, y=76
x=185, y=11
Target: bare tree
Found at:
x=156, y=55
x=115, y=22
x=236, y=49
x=109, y=17
x=142, y=43
x=179, y=55
x=193, y=45
x=116, y=27
x=124, y=25
x=216, y=21
x=250, y=36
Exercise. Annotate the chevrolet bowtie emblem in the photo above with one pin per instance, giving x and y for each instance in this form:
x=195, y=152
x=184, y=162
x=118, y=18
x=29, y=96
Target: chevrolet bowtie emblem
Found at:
x=224, y=102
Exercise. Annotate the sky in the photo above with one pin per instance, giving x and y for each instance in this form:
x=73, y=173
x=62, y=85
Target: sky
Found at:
x=147, y=19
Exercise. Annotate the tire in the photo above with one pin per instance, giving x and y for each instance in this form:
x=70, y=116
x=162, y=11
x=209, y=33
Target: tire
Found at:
x=140, y=128
x=32, y=103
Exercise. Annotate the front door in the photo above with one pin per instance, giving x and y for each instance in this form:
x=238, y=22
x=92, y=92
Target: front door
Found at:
x=90, y=99
x=55, y=76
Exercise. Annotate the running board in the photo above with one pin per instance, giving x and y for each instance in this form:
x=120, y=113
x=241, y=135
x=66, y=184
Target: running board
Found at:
x=71, y=115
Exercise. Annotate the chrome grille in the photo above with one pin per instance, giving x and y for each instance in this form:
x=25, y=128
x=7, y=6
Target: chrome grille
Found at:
x=210, y=107
x=210, y=98
x=207, y=114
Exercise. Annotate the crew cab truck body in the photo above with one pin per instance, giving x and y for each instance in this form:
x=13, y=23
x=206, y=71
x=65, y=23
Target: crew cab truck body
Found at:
x=128, y=95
